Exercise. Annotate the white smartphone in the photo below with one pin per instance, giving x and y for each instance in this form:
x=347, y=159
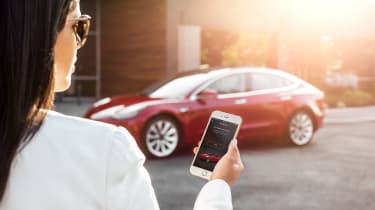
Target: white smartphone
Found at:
x=220, y=130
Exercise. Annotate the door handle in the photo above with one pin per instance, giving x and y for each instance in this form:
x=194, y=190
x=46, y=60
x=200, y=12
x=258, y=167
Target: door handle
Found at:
x=240, y=101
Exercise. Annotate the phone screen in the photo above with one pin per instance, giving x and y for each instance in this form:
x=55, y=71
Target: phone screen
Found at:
x=215, y=143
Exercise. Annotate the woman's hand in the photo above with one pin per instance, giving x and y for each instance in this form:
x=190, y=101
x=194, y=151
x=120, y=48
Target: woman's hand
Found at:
x=229, y=166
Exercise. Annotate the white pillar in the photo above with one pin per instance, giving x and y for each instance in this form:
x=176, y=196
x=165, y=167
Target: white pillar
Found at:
x=189, y=47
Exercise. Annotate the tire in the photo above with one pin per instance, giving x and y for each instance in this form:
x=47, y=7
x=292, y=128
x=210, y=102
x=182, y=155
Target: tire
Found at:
x=300, y=129
x=161, y=137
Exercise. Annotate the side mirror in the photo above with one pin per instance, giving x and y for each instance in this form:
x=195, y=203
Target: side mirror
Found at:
x=207, y=94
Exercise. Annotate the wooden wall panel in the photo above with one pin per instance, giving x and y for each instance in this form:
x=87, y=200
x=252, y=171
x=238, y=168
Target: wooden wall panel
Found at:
x=133, y=36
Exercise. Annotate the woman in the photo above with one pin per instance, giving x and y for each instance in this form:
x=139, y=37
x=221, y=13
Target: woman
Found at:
x=52, y=161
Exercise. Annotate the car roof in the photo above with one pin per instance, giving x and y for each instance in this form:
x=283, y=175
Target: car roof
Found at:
x=214, y=72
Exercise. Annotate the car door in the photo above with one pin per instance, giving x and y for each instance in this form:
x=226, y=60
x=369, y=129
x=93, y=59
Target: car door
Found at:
x=267, y=102
x=228, y=99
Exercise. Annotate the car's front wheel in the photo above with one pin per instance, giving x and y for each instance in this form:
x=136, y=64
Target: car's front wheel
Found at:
x=161, y=137
x=300, y=128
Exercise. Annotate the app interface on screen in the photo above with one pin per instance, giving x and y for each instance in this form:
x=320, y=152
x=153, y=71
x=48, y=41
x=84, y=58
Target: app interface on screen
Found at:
x=215, y=143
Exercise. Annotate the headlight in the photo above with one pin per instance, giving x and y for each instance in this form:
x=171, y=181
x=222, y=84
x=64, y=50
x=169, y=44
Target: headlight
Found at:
x=106, y=113
x=119, y=112
x=102, y=102
x=129, y=112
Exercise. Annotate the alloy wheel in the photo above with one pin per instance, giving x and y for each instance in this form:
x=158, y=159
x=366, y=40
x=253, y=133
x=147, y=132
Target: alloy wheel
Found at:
x=162, y=137
x=301, y=128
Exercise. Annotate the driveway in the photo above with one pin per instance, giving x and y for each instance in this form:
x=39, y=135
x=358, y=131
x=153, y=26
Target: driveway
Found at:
x=335, y=171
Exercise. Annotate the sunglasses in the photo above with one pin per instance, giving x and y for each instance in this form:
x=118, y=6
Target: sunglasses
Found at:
x=81, y=29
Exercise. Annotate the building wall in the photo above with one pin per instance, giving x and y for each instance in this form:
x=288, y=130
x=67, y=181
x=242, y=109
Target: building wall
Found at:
x=139, y=38
x=276, y=17
x=133, y=42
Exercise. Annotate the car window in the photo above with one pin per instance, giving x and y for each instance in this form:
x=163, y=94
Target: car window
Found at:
x=229, y=84
x=176, y=88
x=267, y=81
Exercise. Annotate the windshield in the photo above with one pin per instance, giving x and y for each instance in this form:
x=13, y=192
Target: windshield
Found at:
x=178, y=87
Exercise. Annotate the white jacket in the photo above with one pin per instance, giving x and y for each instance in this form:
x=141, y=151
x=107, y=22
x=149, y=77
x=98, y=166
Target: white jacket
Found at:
x=78, y=164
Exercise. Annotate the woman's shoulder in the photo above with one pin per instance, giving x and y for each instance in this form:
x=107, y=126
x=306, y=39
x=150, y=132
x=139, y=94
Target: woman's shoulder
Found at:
x=76, y=130
x=56, y=118
x=65, y=130
x=58, y=123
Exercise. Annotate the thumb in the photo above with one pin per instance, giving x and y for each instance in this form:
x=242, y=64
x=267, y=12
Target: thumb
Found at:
x=233, y=149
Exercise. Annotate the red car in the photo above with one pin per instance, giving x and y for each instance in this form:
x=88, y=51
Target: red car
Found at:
x=209, y=157
x=272, y=103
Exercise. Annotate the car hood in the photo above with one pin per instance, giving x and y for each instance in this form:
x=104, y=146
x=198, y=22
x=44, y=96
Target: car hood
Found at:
x=131, y=99
x=127, y=100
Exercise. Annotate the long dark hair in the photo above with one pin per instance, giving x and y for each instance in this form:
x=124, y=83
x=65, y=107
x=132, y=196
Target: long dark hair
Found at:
x=28, y=34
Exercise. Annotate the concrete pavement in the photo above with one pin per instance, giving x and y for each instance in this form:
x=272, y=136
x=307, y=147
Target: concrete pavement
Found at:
x=350, y=115
x=334, y=172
